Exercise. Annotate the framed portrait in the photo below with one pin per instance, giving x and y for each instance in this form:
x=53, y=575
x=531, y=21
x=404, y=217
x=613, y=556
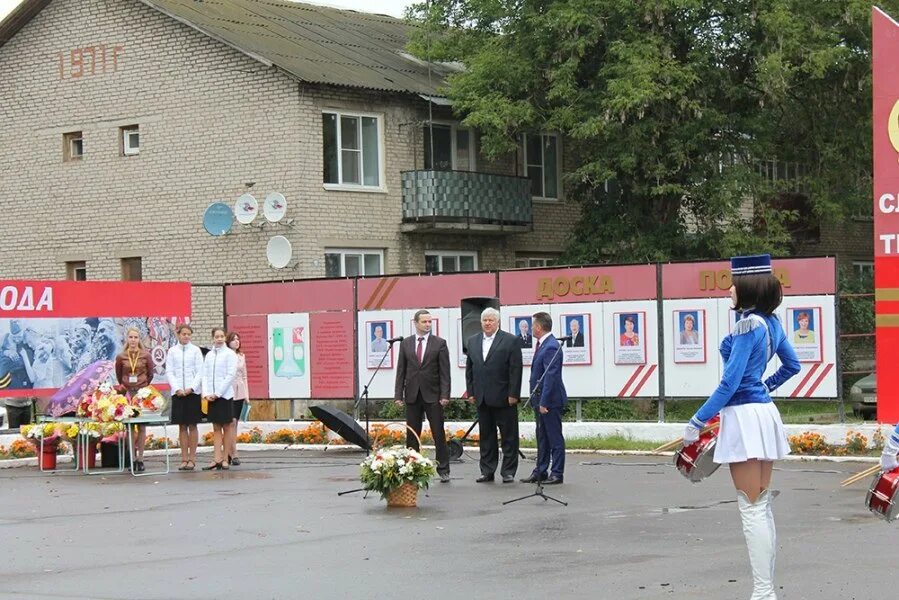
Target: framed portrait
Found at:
x=689, y=336
x=520, y=327
x=804, y=332
x=629, y=337
x=578, y=349
x=377, y=348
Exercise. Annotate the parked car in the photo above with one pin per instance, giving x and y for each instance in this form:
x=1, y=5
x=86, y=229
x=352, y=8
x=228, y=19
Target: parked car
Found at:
x=863, y=395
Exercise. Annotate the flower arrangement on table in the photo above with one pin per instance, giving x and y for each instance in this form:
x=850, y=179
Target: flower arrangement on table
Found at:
x=50, y=432
x=149, y=399
x=106, y=405
x=397, y=473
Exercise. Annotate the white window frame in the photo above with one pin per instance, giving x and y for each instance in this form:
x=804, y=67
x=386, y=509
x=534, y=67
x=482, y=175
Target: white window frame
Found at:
x=863, y=268
x=525, y=165
x=127, y=148
x=69, y=140
x=441, y=254
x=455, y=128
x=544, y=259
x=356, y=187
x=343, y=252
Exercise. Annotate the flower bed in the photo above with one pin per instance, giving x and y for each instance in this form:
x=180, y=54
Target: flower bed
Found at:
x=810, y=443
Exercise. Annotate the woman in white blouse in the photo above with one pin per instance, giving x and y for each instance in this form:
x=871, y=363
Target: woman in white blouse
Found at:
x=219, y=369
x=241, y=393
x=184, y=372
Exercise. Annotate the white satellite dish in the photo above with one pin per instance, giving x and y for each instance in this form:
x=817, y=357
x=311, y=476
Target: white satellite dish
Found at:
x=279, y=251
x=245, y=209
x=275, y=207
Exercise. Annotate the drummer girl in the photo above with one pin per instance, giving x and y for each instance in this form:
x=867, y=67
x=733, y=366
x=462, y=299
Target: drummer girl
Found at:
x=752, y=436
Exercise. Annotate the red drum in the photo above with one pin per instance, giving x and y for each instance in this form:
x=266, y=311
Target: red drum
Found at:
x=881, y=498
x=695, y=461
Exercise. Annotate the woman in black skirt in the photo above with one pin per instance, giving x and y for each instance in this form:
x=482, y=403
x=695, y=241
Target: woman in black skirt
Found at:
x=219, y=369
x=184, y=371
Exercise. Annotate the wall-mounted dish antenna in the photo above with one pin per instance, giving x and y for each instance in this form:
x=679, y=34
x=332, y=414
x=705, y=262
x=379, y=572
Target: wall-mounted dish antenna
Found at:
x=275, y=207
x=218, y=219
x=245, y=209
x=279, y=251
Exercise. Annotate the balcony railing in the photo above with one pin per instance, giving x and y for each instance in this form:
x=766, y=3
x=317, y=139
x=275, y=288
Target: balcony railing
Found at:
x=466, y=200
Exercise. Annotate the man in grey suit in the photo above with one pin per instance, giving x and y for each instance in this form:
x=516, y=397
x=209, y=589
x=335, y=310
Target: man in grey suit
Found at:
x=423, y=381
x=493, y=381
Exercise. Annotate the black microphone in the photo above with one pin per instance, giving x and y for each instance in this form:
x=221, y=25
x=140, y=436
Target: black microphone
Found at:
x=564, y=339
x=398, y=338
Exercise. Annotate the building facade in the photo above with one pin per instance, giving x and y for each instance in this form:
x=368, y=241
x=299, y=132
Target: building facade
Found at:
x=123, y=120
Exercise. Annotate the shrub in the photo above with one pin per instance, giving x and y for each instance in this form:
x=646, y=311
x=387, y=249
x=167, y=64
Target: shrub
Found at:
x=808, y=442
x=314, y=433
x=22, y=449
x=856, y=443
x=253, y=436
x=281, y=436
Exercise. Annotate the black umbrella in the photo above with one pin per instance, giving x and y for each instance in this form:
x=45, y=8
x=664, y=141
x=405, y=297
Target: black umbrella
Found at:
x=455, y=446
x=342, y=424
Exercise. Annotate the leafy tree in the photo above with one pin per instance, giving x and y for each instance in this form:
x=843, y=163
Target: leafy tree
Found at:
x=668, y=109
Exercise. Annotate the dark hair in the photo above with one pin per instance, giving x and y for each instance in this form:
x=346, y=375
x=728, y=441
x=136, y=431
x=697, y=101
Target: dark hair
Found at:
x=419, y=314
x=217, y=329
x=630, y=319
x=184, y=326
x=543, y=320
x=230, y=338
x=761, y=292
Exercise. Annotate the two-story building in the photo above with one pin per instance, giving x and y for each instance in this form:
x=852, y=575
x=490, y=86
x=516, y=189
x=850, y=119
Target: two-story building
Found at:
x=121, y=121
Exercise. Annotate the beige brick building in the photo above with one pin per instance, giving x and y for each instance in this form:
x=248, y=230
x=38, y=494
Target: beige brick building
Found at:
x=122, y=120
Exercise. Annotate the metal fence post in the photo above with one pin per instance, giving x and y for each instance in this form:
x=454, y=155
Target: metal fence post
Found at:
x=578, y=416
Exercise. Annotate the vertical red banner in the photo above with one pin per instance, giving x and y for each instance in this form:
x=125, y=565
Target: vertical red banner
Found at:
x=253, y=332
x=886, y=210
x=332, y=355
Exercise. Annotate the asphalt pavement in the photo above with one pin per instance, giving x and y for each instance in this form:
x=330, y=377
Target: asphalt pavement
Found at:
x=275, y=528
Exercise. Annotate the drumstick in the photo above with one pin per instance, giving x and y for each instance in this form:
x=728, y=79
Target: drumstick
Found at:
x=860, y=475
x=675, y=443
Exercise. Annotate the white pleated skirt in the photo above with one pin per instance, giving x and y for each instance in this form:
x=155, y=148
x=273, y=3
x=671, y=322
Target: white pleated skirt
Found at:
x=751, y=431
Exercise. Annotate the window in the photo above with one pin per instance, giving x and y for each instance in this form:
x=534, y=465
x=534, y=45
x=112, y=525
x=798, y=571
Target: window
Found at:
x=76, y=271
x=541, y=161
x=453, y=148
x=72, y=146
x=349, y=263
x=864, y=270
x=450, y=262
x=130, y=140
x=532, y=262
x=132, y=269
x=352, y=150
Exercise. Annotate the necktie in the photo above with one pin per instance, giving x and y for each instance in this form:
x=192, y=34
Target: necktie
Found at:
x=537, y=349
x=419, y=349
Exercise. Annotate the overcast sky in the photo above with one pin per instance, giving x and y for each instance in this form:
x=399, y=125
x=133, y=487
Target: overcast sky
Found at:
x=386, y=7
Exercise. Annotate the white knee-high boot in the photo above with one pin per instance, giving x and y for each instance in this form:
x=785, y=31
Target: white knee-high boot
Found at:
x=758, y=529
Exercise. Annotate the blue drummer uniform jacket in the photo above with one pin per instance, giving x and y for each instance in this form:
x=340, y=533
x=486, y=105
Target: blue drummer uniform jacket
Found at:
x=746, y=353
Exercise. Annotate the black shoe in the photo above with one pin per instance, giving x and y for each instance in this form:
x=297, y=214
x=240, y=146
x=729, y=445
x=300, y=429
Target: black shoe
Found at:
x=213, y=467
x=234, y=461
x=444, y=478
x=534, y=478
x=553, y=480
x=508, y=479
x=484, y=479
x=139, y=466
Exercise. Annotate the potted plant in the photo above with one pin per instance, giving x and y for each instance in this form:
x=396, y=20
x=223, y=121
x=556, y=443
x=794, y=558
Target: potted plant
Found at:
x=397, y=473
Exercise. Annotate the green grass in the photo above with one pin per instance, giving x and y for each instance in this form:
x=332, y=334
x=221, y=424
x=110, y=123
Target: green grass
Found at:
x=791, y=411
x=612, y=442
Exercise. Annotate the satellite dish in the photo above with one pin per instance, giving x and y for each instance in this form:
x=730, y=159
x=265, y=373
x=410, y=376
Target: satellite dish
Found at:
x=245, y=209
x=279, y=251
x=218, y=219
x=275, y=207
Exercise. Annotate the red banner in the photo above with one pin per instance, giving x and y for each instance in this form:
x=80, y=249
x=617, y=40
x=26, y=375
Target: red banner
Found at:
x=799, y=276
x=423, y=291
x=886, y=210
x=253, y=331
x=38, y=299
x=332, y=358
x=578, y=284
x=51, y=330
x=311, y=295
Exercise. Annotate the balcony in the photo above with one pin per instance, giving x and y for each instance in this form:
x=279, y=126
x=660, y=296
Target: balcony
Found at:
x=463, y=200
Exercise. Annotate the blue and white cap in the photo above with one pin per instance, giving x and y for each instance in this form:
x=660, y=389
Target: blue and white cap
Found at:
x=750, y=265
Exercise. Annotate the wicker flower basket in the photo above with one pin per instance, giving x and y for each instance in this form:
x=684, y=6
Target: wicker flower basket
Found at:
x=406, y=495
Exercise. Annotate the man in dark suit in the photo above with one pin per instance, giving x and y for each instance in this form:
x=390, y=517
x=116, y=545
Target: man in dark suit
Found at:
x=493, y=381
x=423, y=380
x=577, y=336
x=548, y=397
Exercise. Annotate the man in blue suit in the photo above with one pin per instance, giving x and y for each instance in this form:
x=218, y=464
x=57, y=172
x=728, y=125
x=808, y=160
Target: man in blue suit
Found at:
x=548, y=398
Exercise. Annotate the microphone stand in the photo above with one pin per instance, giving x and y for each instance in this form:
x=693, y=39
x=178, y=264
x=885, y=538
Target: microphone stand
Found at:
x=538, y=492
x=364, y=395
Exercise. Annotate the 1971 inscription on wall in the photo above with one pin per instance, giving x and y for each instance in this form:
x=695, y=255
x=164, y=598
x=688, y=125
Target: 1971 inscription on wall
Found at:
x=89, y=61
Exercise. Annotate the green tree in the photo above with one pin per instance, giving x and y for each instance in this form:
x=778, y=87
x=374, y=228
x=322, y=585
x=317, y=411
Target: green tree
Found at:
x=668, y=107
